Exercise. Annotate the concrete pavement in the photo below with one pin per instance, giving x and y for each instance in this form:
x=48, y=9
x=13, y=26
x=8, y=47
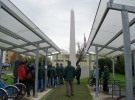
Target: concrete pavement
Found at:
x=40, y=95
x=101, y=95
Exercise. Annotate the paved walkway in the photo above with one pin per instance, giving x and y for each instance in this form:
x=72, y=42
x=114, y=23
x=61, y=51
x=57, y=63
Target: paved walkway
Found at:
x=101, y=95
x=40, y=95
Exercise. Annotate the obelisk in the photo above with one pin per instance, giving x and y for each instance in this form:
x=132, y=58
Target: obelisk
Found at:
x=72, y=54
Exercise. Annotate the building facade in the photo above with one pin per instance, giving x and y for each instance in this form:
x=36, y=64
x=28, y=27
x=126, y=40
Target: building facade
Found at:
x=63, y=58
x=8, y=56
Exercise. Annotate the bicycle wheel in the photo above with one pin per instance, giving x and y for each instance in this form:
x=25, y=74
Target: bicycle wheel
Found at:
x=12, y=91
x=3, y=94
x=22, y=89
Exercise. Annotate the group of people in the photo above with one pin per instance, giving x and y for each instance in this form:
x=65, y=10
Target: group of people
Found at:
x=105, y=77
x=55, y=76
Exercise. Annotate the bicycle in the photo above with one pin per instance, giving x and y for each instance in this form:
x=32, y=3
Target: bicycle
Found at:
x=11, y=91
x=21, y=87
x=3, y=94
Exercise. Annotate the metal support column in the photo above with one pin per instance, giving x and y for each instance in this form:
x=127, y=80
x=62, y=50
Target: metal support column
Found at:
x=96, y=49
x=36, y=70
x=134, y=64
x=46, y=69
x=56, y=58
x=16, y=56
x=127, y=54
x=113, y=69
x=89, y=65
x=1, y=57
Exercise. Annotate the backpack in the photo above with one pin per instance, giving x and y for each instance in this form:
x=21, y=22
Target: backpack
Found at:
x=29, y=76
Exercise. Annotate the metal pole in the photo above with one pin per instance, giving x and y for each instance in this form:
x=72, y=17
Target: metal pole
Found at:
x=127, y=54
x=36, y=70
x=1, y=57
x=134, y=64
x=56, y=58
x=96, y=49
x=113, y=69
x=16, y=56
x=89, y=64
x=46, y=69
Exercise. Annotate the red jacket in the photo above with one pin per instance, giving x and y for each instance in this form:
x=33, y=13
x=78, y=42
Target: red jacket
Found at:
x=21, y=73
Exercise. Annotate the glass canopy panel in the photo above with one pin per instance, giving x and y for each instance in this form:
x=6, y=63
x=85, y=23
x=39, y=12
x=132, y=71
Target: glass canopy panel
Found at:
x=104, y=51
x=15, y=26
x=125, y=2
x=30, y=47
x=11, y=39
x=5, y=45
x=115, y=53
x=111, y=25
x=44, y=45
x=52, y=50
x=18, y=12
x=31, y=53
x=19, y=50
x=92, y=49
x=133, y=46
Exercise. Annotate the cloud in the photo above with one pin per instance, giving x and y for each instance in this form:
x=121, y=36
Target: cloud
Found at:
x=53, y=17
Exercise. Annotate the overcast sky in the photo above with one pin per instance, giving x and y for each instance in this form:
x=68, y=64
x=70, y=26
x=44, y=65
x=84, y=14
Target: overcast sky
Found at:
x=53, y=17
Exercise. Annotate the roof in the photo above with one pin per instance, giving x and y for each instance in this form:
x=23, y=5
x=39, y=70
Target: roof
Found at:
x=19, y=34
x=106, y=32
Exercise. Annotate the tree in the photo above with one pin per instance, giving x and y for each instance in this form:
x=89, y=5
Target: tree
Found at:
x=105, y=61
x=80, y=53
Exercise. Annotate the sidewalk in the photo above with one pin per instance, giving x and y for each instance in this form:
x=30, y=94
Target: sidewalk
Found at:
x=40, y=95
x=101, y=95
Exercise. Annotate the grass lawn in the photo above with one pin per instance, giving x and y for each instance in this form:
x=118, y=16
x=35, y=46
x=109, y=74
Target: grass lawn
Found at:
x=121, y=78
x=9, y=69
x=9, y=81
x=81, y=92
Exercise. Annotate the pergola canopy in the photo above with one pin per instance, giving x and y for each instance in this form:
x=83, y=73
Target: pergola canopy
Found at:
x=20, y=34
x=106, y=32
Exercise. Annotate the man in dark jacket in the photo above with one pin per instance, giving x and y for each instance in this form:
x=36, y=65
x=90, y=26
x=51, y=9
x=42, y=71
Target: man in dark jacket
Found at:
x=105, y=79
x=69, y=74
x=51, y=75
x=78, y=74
x=41, y=76
x=58, y=70
x=61, y=76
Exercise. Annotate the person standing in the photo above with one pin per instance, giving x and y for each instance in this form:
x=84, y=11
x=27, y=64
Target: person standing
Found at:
x=22, y=77
x=78, y=74
x=41, y=76
x=61, y=76
x=58, y=70
x=105, y=79
x=51, y=75
x=69, y=74
x=55, y=77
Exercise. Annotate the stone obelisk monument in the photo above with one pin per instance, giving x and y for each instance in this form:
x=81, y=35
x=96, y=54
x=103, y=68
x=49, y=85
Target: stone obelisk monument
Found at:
x=72, y=55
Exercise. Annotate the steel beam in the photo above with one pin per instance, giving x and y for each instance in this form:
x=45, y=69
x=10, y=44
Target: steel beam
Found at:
x=36, y=71
x=113, y=68
x=107, y=47
x=89, y=65
x=119, y=7
x=1, y=57
x=127, y=53
x=97, y=71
